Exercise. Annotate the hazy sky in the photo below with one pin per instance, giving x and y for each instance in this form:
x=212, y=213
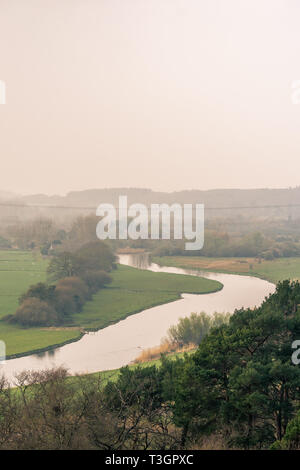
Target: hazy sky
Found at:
x=164, y=94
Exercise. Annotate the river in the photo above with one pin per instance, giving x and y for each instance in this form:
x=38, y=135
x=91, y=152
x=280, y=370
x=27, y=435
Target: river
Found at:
x=119, y=344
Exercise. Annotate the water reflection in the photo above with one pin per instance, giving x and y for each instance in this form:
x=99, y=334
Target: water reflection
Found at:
x=49, y=353
x=137, y=260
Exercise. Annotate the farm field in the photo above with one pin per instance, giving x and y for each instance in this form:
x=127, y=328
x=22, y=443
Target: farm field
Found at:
x=19, y=270
x=131, y=291
x=274, y=271
x=134, y=290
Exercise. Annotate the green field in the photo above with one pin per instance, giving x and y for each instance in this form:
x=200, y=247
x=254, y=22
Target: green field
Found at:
x=19, y=270
x=274, y=271
x=132, y=290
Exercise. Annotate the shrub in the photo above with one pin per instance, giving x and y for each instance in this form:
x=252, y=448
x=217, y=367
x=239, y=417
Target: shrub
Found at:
x=39, y=291
x=34, y=312
x=63, y=265
x=194, y=328
x=71, y=292
x=291, y=439
x=65, y=304
x=95, y=256
x=95, y=280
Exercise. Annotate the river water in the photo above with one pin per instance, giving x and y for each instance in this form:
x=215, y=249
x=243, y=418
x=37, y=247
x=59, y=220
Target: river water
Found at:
x=119, y=344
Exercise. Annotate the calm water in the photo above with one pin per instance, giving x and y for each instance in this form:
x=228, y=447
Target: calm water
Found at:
x=119, y=344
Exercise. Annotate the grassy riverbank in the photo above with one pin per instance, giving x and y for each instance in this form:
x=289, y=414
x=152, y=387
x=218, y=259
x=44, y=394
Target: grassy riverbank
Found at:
x=134, y=290
x=273, y=271
x=131, y=291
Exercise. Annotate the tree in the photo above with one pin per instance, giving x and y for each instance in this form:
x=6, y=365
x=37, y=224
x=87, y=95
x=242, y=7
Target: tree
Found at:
x=291, y=439
x=241, y=381
x=63, y=265
x=51, y=411
x=95, y=256
x=40, y=291
x=192, y=329
x=72, y=290
x=95, y=280
x=34, y=232
x=83, y=229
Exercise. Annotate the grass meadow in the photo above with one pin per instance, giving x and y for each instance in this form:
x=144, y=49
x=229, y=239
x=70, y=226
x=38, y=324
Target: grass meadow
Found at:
x=131, y=291
x=18, y=271
x=274, y=270
x=134, y=290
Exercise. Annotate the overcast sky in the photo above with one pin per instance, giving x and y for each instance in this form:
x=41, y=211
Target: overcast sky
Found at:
x=164, y=94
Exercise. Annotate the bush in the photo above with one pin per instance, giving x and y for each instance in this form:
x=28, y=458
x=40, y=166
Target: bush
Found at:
x=65, y=304
x=39, y=291
x=71, y=292
x=192, y=329
x=63, y=265
x=95, y=280
x=95, y=256
x=291, y=439
x=34, y=312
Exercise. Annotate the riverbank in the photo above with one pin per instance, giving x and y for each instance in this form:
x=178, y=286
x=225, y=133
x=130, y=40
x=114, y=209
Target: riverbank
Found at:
x=50, y=347
x=269, y=270
x=134, y=290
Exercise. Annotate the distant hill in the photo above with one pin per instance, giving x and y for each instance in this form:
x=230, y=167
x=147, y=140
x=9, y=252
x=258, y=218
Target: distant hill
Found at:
x=216, y=201
x=213, y=197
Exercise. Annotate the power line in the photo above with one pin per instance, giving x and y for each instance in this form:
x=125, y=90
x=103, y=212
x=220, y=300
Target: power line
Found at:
x=90, y=208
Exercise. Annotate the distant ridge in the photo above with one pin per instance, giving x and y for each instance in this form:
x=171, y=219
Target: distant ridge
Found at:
x=211, y=198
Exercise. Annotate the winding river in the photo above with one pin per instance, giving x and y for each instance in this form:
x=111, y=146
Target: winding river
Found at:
x=119, y=344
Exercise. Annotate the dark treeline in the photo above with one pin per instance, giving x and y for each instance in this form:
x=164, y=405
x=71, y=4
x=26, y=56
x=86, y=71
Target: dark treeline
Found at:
x=239, y=390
